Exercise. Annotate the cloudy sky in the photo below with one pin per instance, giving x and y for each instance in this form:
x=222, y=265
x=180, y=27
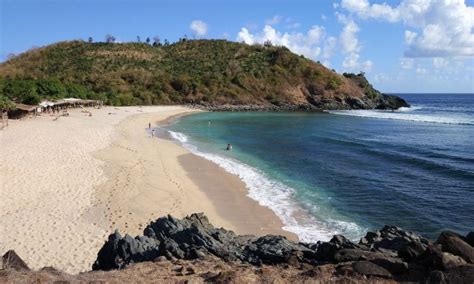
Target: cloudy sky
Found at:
x=403, y=46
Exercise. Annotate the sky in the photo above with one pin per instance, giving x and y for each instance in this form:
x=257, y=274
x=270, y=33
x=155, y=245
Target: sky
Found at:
x=404, y=46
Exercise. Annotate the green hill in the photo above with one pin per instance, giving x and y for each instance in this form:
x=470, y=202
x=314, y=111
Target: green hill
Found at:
x=206, y=72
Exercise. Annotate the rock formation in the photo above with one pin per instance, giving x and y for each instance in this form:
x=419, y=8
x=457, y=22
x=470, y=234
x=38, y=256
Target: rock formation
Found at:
x=192, y=250
x=390, y=253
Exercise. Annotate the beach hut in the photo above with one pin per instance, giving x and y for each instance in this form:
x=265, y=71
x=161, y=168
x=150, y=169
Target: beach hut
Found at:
x=45, y=106
x=22, y=110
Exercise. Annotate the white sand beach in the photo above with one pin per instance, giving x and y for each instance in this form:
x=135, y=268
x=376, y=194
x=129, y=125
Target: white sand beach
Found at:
x=67, y=184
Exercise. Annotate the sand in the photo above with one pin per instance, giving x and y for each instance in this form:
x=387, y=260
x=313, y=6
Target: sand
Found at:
x=67, y=184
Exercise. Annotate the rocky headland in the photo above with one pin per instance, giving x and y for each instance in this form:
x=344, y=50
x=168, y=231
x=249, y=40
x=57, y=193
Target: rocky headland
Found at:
x=191, y=249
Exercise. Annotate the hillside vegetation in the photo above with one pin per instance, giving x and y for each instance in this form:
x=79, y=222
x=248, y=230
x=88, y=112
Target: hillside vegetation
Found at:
x=206, y=72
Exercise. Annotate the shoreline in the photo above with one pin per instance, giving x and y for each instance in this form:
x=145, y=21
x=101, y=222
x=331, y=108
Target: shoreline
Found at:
x=201, y=186
x=253, y=218
x=70, y=183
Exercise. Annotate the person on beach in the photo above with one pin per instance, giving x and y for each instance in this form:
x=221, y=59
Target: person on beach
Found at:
x=153, y=133
x=229, y=147
x=149, y=125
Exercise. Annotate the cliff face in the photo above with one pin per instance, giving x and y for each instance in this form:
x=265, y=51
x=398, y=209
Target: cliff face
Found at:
x=191, y=249
x=205, y=72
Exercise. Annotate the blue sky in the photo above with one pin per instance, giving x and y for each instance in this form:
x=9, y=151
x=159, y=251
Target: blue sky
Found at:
x=403, y=46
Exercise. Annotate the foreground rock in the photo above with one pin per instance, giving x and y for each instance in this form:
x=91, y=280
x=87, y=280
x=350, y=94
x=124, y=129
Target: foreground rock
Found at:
x=10, y=260
x=192, y=250
x=390, y=253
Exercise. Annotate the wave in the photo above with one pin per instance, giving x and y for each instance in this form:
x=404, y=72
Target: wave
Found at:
x=405, y=115
x=278, y=197
x=178, y=136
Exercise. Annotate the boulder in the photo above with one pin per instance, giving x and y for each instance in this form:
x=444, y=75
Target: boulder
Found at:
x=371, y=269
x=117, y=252
x=470, y=239
x=11, y=260
x=392, y=238
x=460, y=274
x=435, y=259
x=273, y=250
x=357, y=254
x=411, y=251
x=394, y=265
x=453, y=243
x=326, y=251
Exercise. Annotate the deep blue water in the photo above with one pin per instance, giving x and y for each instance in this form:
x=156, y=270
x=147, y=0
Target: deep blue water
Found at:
x=349, y=171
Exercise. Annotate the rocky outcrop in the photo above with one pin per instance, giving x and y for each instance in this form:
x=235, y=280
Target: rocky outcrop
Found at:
x=390, y=253
x=316, y=104
x=10, y=260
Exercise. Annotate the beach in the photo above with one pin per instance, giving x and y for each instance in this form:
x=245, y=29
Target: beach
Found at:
x=67, y=184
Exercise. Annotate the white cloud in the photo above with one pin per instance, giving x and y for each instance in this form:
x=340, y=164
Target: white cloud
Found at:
x=348, y=37
x=445, y=27
x=306, y=44
x=198, y=27
x=421, y=71
x=410, y=37
x=276, y=19
x=407, y=63
x=351, y=46
x=439, y=62
x=324, y=17
x=292, y=25
x=329, y=47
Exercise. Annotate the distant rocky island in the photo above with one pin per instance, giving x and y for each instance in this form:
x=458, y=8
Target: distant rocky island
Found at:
x=191, y=249
x=212, y=74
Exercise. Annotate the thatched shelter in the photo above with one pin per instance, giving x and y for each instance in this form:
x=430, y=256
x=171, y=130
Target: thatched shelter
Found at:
x=22, y=110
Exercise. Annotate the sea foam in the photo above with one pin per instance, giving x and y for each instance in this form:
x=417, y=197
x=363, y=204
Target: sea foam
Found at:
x=276, y=196
x=407, y=115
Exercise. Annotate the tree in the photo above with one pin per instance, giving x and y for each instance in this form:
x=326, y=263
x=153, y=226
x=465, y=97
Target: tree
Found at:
x=6, y=103
x=50, y=87
x=138, y=39
x=267, y=43
x=167, y=42
x=156, y=41
x=90, y=40
x=147, y=40
x=109, y=38
x=10, y=55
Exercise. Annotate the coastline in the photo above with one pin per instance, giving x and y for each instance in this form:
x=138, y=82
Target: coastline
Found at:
x=82, y=177
x=175, y=182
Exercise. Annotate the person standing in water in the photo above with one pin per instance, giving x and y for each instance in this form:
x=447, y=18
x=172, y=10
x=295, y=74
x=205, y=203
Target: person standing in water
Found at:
x=153, y=133
x=149, y=125
x=229, y=147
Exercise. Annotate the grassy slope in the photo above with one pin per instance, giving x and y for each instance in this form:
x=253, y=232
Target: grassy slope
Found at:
x=200, y=71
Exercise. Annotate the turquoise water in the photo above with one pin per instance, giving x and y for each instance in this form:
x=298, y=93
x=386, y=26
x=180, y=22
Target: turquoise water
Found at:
x=350, y=171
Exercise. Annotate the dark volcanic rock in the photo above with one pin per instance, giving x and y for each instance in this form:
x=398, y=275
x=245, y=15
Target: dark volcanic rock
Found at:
x=394, y=239
x=391, y=102
x=118, y=252
x=453, y=243
x=371, y=269
x=394, y=265
x=328, y=251
x=435, y=258
x=273, y=249
x=387, y=253
x=181, y=238
x=470, y=238
x=462, y=274
x=10, y=260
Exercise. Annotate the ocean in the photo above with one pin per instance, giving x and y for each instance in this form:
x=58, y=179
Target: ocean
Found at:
x=346, y=172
